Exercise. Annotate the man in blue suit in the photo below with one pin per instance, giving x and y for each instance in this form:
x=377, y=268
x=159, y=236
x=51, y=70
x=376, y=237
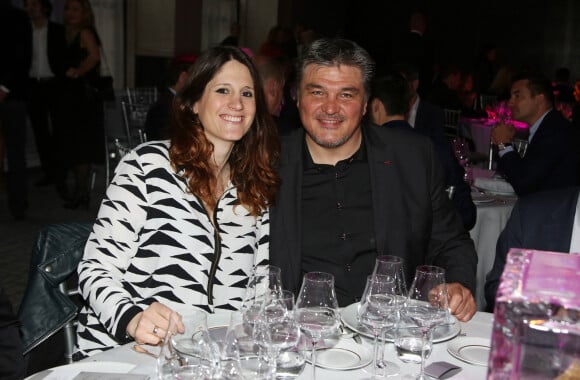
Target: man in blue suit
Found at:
x=551, y=160
x=544, y=221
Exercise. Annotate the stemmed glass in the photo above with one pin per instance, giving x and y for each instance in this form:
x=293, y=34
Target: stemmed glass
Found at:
x=317, y=310
x=427, y=304
x=266, y=280
x=378, y=309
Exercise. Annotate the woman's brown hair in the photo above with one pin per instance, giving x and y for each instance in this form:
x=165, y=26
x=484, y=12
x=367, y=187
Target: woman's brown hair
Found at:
x=253, y=158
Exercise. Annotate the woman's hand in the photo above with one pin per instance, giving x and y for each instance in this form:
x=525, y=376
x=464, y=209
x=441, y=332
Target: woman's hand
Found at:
x=150, y=325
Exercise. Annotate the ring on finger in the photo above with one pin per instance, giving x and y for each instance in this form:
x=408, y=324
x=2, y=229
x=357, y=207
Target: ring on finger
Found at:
x=155, y=330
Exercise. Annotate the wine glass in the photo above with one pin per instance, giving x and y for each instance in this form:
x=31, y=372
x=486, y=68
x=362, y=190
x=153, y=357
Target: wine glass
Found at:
x=187, y=351
x=392, y=266
x=265, y=279
x=378, y=309
x=427, y=304
x=317, y=310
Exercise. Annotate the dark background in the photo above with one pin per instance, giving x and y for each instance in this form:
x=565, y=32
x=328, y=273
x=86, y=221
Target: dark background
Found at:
x=541, y=34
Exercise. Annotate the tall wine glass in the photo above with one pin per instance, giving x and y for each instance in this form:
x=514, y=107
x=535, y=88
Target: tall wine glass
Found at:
x=317, y=310
x=265, y=280
x=427, y=304
x=378, y=309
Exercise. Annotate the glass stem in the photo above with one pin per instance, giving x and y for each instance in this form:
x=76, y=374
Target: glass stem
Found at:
x=425, y=335
x=376, y=353
x=314, y=342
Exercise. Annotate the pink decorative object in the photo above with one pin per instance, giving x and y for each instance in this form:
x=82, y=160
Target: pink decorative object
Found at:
x=536, y=330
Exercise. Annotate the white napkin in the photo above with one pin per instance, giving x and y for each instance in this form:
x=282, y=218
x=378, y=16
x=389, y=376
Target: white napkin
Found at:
x=493, y=184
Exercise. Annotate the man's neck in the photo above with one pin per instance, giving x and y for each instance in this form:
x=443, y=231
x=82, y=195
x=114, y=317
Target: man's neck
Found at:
x=39, y=22
x=393, y=118
x=331, y=156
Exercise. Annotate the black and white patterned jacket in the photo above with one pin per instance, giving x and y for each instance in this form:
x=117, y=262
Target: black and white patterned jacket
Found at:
x=153, y=241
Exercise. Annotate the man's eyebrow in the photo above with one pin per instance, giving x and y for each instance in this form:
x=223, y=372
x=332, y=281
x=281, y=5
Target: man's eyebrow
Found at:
x=311, y=86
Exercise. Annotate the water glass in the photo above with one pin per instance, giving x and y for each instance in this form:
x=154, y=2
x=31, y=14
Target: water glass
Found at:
x=408, y=339
x=265, y=280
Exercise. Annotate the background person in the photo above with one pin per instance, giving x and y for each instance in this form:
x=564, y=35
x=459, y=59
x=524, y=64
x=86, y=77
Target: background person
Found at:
x=184, y=221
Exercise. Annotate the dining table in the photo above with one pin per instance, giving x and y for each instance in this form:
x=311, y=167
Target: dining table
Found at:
x=128, y=361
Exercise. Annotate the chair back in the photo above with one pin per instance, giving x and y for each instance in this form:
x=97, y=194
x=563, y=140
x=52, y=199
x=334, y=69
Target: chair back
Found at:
x=47, y=306
x=134, y=116
x=142, y=95
x=487, y=100
x=451, y=122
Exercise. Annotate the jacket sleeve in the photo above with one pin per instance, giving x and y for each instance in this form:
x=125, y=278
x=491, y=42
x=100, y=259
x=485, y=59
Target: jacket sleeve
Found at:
x=112, y=246
x=450, y=246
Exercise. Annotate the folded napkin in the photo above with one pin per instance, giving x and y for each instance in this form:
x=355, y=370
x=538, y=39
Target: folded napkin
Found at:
x=494, y=185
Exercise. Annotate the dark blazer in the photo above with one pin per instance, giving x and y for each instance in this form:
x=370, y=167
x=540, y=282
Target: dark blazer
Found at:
x=429, y=122
x=542, y=221
x=16, y=47
x=413, y=217
x=552, y=159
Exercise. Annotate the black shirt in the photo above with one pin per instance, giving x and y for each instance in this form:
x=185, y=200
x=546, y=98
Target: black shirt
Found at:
x=338, y=234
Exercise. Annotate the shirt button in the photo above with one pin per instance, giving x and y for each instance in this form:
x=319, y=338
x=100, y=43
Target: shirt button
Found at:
x=339, y=205
x=348, y=267
x=342, y=236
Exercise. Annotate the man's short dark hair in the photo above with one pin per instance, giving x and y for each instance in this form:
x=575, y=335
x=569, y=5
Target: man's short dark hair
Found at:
x=335, y=52
x=393, y=91
x=538, y=84
x=407, y=70
x=46, y=6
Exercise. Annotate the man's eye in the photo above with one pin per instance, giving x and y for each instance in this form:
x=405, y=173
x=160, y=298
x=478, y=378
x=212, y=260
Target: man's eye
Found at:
x=346, y=95
x=316, y=92
x=223, y=91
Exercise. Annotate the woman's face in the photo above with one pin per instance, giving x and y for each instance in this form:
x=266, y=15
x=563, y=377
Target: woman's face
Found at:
x=73, y=12
x=228, y=106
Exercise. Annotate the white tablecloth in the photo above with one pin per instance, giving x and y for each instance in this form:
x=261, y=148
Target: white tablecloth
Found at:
x=479, y=326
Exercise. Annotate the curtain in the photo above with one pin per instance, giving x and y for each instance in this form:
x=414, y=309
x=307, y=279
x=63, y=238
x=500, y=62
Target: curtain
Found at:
x=217, y=17
x=109, y=18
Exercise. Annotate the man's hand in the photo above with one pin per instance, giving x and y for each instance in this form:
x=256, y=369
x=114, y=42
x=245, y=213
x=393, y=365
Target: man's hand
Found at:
x=461, y=301
x=150, y=326
x=502, y=133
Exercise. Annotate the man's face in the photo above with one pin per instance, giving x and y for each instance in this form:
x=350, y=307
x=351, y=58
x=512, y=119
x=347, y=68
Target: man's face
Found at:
x=331, y=103
x=523, y=104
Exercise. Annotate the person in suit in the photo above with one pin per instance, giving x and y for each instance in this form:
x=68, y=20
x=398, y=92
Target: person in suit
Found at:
x=351, y=190
x=46, y=71
x=445, y=91
x=551, y=160
x=544, y=221
x=391, y=96
x=16, y=39
x=158, y=116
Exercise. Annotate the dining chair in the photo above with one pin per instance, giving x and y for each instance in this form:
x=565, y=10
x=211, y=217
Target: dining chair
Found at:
x=486, y=100
x=451, y=122
x=142, y=95
x=51, y=300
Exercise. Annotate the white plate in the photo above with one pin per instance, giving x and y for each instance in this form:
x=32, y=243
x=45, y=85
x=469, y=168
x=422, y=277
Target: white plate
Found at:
x=482, y=198
x=69, y=371
x=440, y=334
x=347, y=354
x=470, y=350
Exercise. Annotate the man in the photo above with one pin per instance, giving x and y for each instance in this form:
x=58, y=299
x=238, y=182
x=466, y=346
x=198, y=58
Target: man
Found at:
x=158, y=120
x=272, y=73
x=547, y=221
x=551, y=160
x=445, y=92
x=16, y=42
x=391, y=96
x=428, y=119
x=351, y=191
x=48, y=46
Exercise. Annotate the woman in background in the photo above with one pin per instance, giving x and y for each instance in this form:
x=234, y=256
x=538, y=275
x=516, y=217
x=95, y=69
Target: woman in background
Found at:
x=185, y=220
x=83, y=130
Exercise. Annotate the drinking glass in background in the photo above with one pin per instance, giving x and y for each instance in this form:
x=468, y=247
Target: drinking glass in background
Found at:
x=265, y=279
x=408, y=340
x=427, y=305
x=187, y=351
x=317, y=311
x=378, y=310
x=393, y=267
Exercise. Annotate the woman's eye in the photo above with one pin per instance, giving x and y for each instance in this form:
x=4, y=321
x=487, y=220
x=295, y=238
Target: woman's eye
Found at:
x=247, y=94
x=223, y=91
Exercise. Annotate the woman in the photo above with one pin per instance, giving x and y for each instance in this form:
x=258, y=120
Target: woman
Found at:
x=184, y=221
x=83, y=130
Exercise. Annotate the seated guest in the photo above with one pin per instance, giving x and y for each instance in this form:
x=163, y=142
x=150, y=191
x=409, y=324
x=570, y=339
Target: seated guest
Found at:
x=547, y=221
x=445, y=90
x=551, y=160
x=388, y=107
x=158, y=121
x=184, y=221
x=351, y=190
x=11, y=359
